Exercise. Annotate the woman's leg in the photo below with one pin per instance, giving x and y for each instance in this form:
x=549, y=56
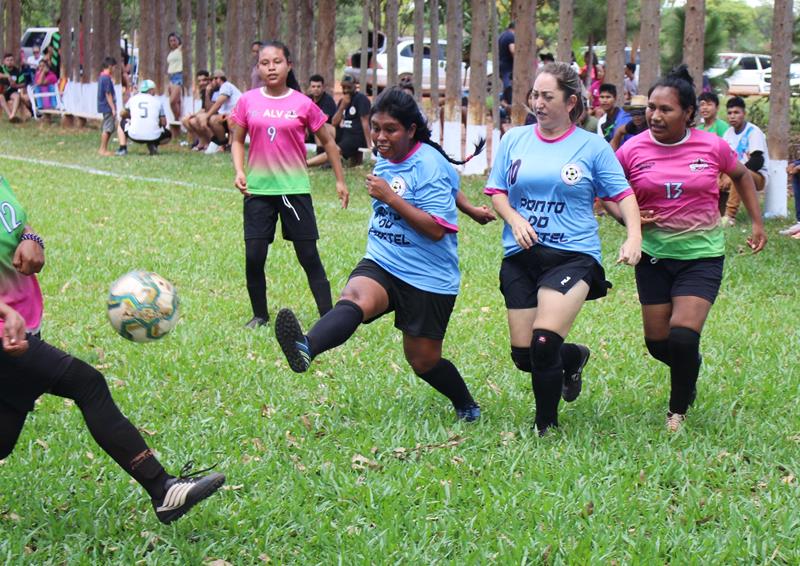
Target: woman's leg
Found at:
x=255, y=254
x=424, y=355
x=175, y=100
x=11, y=422
x=308, y=256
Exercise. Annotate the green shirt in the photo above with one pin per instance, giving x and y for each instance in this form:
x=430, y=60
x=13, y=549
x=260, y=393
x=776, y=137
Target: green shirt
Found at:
x=719, y=127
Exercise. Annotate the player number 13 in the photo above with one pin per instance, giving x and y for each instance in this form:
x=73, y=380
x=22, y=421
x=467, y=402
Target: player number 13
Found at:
x=674, y=190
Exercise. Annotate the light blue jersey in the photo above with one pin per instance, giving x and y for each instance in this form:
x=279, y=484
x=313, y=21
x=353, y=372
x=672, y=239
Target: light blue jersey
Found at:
x=553, y=184
x=427, y=181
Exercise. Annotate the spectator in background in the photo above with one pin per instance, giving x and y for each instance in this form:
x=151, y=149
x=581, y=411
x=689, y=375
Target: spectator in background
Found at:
x=750, y=145
x=631, y=85
x=636, y=110
x=793, y=170
x=11, y=81
x=191, y=121
x=326, y=103
x=708, y=107
x=255, y=77
x=44, y=81
x=505, y=52
x=143, y=121
x=107, y=104
x=224, y=100
x=594, y=89
x=613, y=116
x=175, y=74
x=351, y=122
x=32, y=62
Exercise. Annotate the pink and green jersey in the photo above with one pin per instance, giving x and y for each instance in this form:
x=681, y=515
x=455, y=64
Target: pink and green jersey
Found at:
x=277, y=127
x=20, y=292
x=678, y=182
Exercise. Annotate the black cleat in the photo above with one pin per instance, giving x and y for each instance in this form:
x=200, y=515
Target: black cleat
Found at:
x=573, y=383
x=292, y=341
x=469, y=414
x=184, y=492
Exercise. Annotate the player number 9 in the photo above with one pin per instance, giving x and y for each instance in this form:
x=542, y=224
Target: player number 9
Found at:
x=271, y=131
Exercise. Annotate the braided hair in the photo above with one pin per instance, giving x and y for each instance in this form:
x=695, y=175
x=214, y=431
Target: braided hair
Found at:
x=402, y=107
x=291, y=79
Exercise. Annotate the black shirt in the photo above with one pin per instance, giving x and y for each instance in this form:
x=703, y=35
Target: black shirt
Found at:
x=327, y=104
x=351, y=117
x=504, y=52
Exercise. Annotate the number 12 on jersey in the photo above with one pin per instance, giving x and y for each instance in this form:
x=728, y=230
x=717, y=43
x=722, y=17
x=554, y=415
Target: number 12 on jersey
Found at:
x=674, y=190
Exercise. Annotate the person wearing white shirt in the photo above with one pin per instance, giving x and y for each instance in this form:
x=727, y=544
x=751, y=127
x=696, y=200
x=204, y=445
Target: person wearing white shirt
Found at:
x=33, y=60
x=143, y=121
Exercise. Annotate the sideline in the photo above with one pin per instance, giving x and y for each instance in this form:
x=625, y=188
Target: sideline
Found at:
x=102, y=173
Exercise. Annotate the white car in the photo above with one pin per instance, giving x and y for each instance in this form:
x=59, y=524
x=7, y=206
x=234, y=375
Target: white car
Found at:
x=794, y=78
x=749, y=74
x=405, y=63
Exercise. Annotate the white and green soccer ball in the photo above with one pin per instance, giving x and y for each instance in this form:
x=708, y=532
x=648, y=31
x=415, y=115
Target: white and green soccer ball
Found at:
x=142, y=306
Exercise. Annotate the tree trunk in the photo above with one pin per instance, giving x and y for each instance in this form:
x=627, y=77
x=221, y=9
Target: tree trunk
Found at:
x=453, y=88
x=201, y=36
x=272, y=27
x=649, y=54
x=365, y=13
x=113, y=32
x=186, y=30
x=13, y=27
x=391, y=42
x=478, y=53
x=326, y=42
x=212, y=42
x=89, y=55
x=293, y=23
x=419, y=38
x=524, y=50
x=693, y=40
x=307, y=44
x=376, y=27
x=778, y=129
x=497, y=87
x=566, y=15
x=65, y=15
x=3, y=27
x=433, y=8
x=615, y=46
x=162, y=48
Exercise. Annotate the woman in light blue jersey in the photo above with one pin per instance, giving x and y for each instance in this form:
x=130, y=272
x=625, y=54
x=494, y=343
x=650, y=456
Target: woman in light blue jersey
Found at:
x=543, y=184
x=411, y=264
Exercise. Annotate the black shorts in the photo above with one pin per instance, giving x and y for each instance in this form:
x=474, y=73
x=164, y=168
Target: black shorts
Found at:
x=416, y=312
x=25, y=378
x=164, y=137
x=296, y=212
x=522, y=274
x=9, y=92
x=658, y=280
x=350, y=145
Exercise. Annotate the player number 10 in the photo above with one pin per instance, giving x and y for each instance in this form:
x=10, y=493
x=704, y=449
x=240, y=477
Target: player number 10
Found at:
x=674, y=190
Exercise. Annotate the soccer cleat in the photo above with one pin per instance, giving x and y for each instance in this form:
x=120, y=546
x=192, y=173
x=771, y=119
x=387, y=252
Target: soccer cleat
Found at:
x=293, y=343
x=152, y=148
x=573, y=383
x=122, y=151
x=675, y=421
x=184, y=492
x=256, y=322
x=469, y=413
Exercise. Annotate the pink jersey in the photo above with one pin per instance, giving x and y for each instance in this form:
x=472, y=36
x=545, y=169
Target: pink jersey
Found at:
x=678, y=183
x=277, y=127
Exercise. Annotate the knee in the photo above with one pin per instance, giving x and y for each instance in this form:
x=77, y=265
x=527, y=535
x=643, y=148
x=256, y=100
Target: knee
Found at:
x=522, y=358
x=683, y=341
x=545, y=349
x=422, y=362
x=87, y=385
x=255, y=252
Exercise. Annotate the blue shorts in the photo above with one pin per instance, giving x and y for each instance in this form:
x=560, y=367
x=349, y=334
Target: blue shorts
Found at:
x=176, y=79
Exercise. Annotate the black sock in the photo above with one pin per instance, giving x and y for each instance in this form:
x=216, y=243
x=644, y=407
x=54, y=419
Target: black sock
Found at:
x=570, y=357
x=321, y=289
x=445, y=378
x=659, y=349
x=255, y=253
x=547, y=376
x=335, y=327
x=109, y=427
x=308, y=256
x=684, y=350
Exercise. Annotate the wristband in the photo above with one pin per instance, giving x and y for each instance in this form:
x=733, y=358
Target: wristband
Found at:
x=33, y=238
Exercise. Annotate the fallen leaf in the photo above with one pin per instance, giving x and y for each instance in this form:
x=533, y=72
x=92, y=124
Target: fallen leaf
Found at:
x=42, y=443
x=90, y=455
x=264, y=558
x=359, y=462
x=306, y=422
x=232, y=487
x=588, y=510
x=148, y=432
x=217, y=562
x=267, y=411
x=788, y=480
x=506, y=437
x=291, y=441
x=493, y=387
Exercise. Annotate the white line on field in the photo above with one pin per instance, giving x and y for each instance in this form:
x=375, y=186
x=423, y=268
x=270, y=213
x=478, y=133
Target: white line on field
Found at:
x=103, y=173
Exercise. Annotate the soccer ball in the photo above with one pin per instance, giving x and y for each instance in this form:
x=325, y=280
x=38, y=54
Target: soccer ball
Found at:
x=142, y=306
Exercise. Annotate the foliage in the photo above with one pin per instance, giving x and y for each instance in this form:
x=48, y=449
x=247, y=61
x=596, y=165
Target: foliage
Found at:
x=359, y=461
x=672, y=38
x=758, y=112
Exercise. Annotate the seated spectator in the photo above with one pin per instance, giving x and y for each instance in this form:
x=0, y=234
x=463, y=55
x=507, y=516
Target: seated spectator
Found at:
x=708, y=107
x=191, y=122
x=143, y=121
x=352, y=124
x=12, y=83
x=214, y=123
x=33, y=60
x=45, y=82
x=750, y=145
x=613, y=116
x=636, y=110
x=326, y=103
x=793, y=169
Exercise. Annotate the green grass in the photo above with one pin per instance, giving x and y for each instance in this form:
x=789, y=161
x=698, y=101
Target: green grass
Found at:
x=610, y=487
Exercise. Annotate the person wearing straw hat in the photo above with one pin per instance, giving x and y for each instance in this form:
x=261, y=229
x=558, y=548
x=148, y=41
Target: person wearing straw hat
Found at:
x=635, y=109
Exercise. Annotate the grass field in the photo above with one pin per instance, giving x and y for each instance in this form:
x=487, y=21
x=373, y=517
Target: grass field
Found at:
x=358, y=461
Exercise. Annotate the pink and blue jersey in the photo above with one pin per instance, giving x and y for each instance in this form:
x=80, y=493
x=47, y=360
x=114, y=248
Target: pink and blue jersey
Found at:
x=678, y=182
x=277, y=128
x=20, y=292
x=426, y=180
x=553, y=184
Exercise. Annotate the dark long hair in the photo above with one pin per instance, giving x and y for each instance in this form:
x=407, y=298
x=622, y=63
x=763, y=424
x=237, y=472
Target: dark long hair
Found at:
x=679, y=79
x=291, y=79
x=403, y=108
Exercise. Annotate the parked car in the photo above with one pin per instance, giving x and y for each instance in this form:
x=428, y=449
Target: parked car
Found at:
x=36, y=36
x=405, y=63
x=794, y=78
x=748, y=72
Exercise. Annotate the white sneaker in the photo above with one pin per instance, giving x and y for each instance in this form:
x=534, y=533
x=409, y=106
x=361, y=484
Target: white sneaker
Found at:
x=791, y=230
x=212, y=148
x=675, y=421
